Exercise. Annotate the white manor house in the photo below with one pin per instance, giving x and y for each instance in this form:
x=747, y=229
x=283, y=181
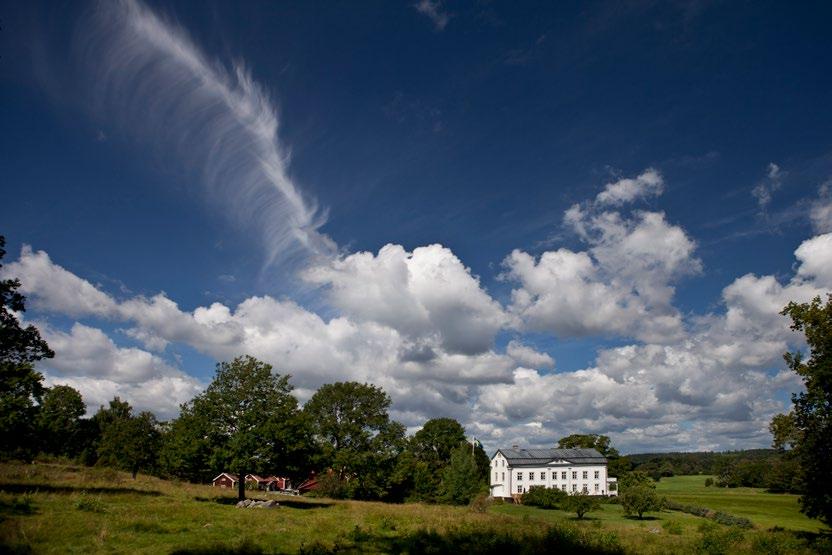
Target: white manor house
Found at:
x=514, y=471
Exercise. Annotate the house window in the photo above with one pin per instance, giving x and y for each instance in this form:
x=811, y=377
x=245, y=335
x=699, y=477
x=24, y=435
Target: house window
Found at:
x=585, y=490
x=596, y=488
x=574, y=487
x=554, y=475
x=563, y=475
x=519, y=476
x=585, y=473
x=531, y=475
x=574, y=475
x=504, y=476
x=596, y=474
x=519, y=489
x=563, y=487
x=495, y=476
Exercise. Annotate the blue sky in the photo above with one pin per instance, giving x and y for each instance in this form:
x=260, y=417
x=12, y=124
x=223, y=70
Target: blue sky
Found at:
x=162, y=159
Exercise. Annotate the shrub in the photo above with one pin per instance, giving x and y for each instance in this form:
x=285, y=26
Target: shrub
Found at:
x=717, y=516
x=543, y=497
x=709, y=482
x=480, y=503
x=638, y=500
x=581, y=503
x=672, y=527
x=715, y=541
x=329, y=485
x=89, y=504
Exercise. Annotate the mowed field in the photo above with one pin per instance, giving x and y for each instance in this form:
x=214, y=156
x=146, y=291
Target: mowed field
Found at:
x=766, y=510
x=71, y=509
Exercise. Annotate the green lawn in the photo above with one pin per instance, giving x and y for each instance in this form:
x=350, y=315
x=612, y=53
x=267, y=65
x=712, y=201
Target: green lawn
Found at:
x=70, y=509
x=763, y=509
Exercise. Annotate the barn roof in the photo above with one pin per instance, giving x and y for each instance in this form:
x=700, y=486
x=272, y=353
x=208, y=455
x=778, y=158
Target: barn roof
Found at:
x=232, y=476
x=521, y=457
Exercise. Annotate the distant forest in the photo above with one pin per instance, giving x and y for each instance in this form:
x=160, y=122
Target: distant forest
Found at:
x=772, y=469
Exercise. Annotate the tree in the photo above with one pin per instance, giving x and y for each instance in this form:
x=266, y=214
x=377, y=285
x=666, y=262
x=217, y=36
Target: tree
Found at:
x=581, y=503
x=639, y=499
x=128, y=442
x=21, y=386
x=809, y=426
x=588, y=441
x=437, y=439
x=245, y=421
x=638, y=494
x=356, y=436
x=461, y=480
x=59, y=420
x=543, y=497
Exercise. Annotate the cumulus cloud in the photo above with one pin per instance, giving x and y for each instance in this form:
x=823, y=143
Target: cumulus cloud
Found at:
x=58, y=290
x=153, y=79
x=421, y=326
x=428, y=292
x=649, y=183
x=623, y=284
x=815, y=256
x=524, y=355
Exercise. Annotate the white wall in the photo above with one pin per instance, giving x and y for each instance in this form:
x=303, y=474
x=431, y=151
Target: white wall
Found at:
x=504, y=479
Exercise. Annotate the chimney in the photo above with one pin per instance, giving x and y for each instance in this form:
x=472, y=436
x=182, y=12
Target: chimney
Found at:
x=515, y=447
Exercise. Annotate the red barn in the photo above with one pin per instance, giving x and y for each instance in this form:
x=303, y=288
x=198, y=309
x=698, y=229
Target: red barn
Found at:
x=225, y=480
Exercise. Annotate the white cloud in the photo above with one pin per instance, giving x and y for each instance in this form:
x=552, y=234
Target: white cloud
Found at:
x=57, y=289
x=421, y=326
x=524, y=355
x=155, y=82
x=821, y=211
x=649, y=183
x=623, y=284
x=764, y=190
x=420, y=294
x=434, y=10
x=815, y=256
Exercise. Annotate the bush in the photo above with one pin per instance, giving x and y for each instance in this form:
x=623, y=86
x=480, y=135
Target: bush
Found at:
x=89, y=504
x=715, y=541
x=480, y=503
x=329, y=485
x=581, y=503
x=638, y=500
x=709, y=482
x=672, y=527
x=717, y=516
x=543, y=497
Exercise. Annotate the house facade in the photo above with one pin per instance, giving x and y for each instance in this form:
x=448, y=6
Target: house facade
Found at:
x=514, y=471
x=225, y=480
x=268, y=483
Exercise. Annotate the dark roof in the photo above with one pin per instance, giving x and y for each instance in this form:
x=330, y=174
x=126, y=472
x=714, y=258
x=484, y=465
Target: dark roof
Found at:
x=521, y=457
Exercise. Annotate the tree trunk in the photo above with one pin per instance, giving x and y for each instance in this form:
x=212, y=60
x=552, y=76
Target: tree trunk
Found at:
x=241, y=486
x=135, y=471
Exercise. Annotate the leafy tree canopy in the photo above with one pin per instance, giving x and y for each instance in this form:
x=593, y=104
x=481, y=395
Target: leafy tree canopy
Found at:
x=246, y=421
x=809, y=426
x=581, y=503
x=21, y=386
x=357, y=438
x=588, y=441
x=59, y=420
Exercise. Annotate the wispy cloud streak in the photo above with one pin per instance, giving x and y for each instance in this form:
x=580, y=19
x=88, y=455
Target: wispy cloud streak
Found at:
x=152, y=78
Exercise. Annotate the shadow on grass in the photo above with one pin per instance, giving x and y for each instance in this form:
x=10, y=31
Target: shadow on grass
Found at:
x=645, y=518
x=49, y=488
x=284, y=502
x=487, y=542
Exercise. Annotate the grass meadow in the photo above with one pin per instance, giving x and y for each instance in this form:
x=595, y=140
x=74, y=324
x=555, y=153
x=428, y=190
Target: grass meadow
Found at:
x=46, y=508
